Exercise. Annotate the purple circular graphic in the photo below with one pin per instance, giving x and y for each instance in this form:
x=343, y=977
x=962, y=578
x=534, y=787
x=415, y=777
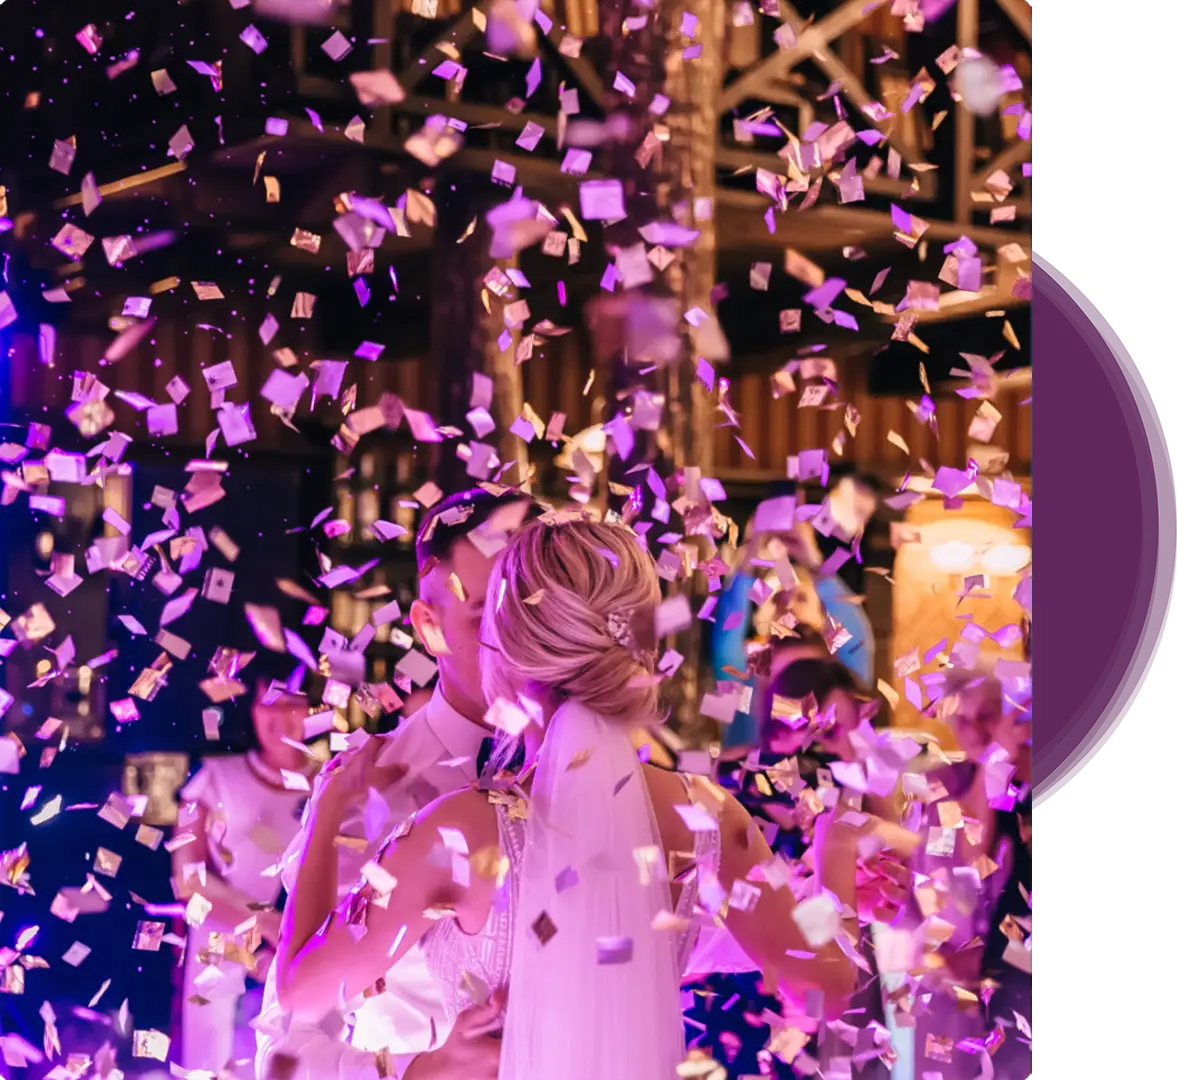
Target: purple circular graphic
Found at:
x=1109, y=534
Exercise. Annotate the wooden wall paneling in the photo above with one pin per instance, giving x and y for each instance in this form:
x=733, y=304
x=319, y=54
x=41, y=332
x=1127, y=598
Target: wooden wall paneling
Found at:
x=23, y=376
x=806, y=427
x=574, y=371
x=952, y=427
x=869, y=441
x=751, y=388
x=196, y=348
x=890, y=418
x=160, y=352
x=779, y=427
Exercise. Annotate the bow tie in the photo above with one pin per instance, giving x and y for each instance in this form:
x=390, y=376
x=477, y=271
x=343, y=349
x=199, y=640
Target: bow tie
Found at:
x=487, y=749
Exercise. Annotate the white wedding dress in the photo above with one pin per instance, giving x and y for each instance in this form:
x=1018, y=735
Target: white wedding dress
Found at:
x=472, y=967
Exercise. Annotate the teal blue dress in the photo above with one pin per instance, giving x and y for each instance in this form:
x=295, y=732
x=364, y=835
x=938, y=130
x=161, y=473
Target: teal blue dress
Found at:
x=727, y=650
x=858, y=654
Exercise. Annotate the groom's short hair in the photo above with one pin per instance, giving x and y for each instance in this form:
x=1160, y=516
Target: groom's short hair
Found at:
x=457, y=516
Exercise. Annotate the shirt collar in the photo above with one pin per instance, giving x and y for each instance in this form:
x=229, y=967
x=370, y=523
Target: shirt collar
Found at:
x=459, y=736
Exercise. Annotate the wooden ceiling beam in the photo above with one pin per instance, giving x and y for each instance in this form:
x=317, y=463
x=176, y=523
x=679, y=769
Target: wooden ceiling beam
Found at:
x=810, y=40
x=476, y=115
x=1020, y=14
x=741, y=222
x=737, y=158
x=1013, y=155
x=586, y=76
x=459, y=35
x=855, y=91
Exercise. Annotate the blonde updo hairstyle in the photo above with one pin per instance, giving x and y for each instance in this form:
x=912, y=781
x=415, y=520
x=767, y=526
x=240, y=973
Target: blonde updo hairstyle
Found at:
x=565, y=607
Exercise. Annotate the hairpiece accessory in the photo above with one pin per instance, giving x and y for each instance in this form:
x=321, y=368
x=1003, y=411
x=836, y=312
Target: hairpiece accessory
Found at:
x=620, y=627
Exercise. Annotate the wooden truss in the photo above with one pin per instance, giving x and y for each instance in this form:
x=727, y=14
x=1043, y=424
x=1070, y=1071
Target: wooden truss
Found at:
x=740, y=211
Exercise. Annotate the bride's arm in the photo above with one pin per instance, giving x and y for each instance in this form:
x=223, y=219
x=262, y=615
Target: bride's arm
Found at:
x=767, y=932
x=321, y=958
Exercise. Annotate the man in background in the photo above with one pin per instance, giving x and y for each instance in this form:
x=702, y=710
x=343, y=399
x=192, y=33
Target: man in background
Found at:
x=852, y=501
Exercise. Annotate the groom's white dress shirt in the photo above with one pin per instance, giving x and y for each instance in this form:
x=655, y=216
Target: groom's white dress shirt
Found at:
x=439, y=747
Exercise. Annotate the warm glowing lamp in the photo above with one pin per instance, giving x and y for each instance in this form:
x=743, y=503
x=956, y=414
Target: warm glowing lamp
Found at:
x=952, y=556
x=1006, y=559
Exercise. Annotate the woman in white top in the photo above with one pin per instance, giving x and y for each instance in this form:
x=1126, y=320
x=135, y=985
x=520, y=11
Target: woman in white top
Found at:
x=577, y=887
x=239, y=813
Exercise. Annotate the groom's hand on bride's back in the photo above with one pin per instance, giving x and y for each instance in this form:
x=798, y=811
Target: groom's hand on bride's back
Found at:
x=472, y=1050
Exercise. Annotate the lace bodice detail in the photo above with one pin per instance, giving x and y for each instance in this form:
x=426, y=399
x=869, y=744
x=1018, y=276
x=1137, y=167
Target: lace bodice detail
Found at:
x=471, y=967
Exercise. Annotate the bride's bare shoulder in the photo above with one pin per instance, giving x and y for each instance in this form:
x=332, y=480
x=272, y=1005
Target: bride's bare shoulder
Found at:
x=466, y=811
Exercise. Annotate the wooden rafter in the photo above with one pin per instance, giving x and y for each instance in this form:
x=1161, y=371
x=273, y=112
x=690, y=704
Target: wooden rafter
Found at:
x=851, y=84
x=811, y=40
x=739, y=159
x=458, y=35
x=586, y=76
x=476, y=115
x=741, y=223
x=115, y=187
x=1012, y=156
x=1019, y=12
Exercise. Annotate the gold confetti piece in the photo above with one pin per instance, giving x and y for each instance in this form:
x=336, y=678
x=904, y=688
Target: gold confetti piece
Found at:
x=490, y=864
x=98, y=994
x=798, y=266
x=107, y=862
x=150, y=1044
x=469, y=232
x=49, y=811
x=1007, y=332
x=306, y=241
x=304, y=305
x=149, y=836
x=257, y=165
x=543, y=928
x=76, y=953
x=273, y=189
x=148, y=935
x=581, y=757
x=163, y=285
x=207, y=290
x=420, y=208
x=577, y=230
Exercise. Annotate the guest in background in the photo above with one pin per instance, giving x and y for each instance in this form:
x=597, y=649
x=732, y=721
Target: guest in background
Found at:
x=779, y=783
x=239, y=813
x=756, y=612
x=832, y=540
x=975, y=850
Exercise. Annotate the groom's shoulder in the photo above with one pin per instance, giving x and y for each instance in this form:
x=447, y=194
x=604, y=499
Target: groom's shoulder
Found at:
x=410, y=739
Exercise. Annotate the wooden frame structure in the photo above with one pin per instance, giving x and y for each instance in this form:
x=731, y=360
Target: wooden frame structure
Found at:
x=740, y=212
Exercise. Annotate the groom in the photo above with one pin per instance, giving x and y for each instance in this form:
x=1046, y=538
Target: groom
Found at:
x=437, y=749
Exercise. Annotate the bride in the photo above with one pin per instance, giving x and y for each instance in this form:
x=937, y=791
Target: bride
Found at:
x=579, y=884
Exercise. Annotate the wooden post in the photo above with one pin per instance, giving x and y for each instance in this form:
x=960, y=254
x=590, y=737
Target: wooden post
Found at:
x=504, y=370
x=689, y=161
x=967, y=19
x=465, y=327
x=458, y=326
x=667, y=169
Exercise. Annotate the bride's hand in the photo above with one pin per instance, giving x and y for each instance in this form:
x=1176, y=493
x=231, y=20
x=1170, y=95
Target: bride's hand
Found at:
x=471, y=1052
x=347, y=778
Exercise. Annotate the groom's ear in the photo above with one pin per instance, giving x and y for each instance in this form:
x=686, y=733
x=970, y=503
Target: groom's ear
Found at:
x=427, y=626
